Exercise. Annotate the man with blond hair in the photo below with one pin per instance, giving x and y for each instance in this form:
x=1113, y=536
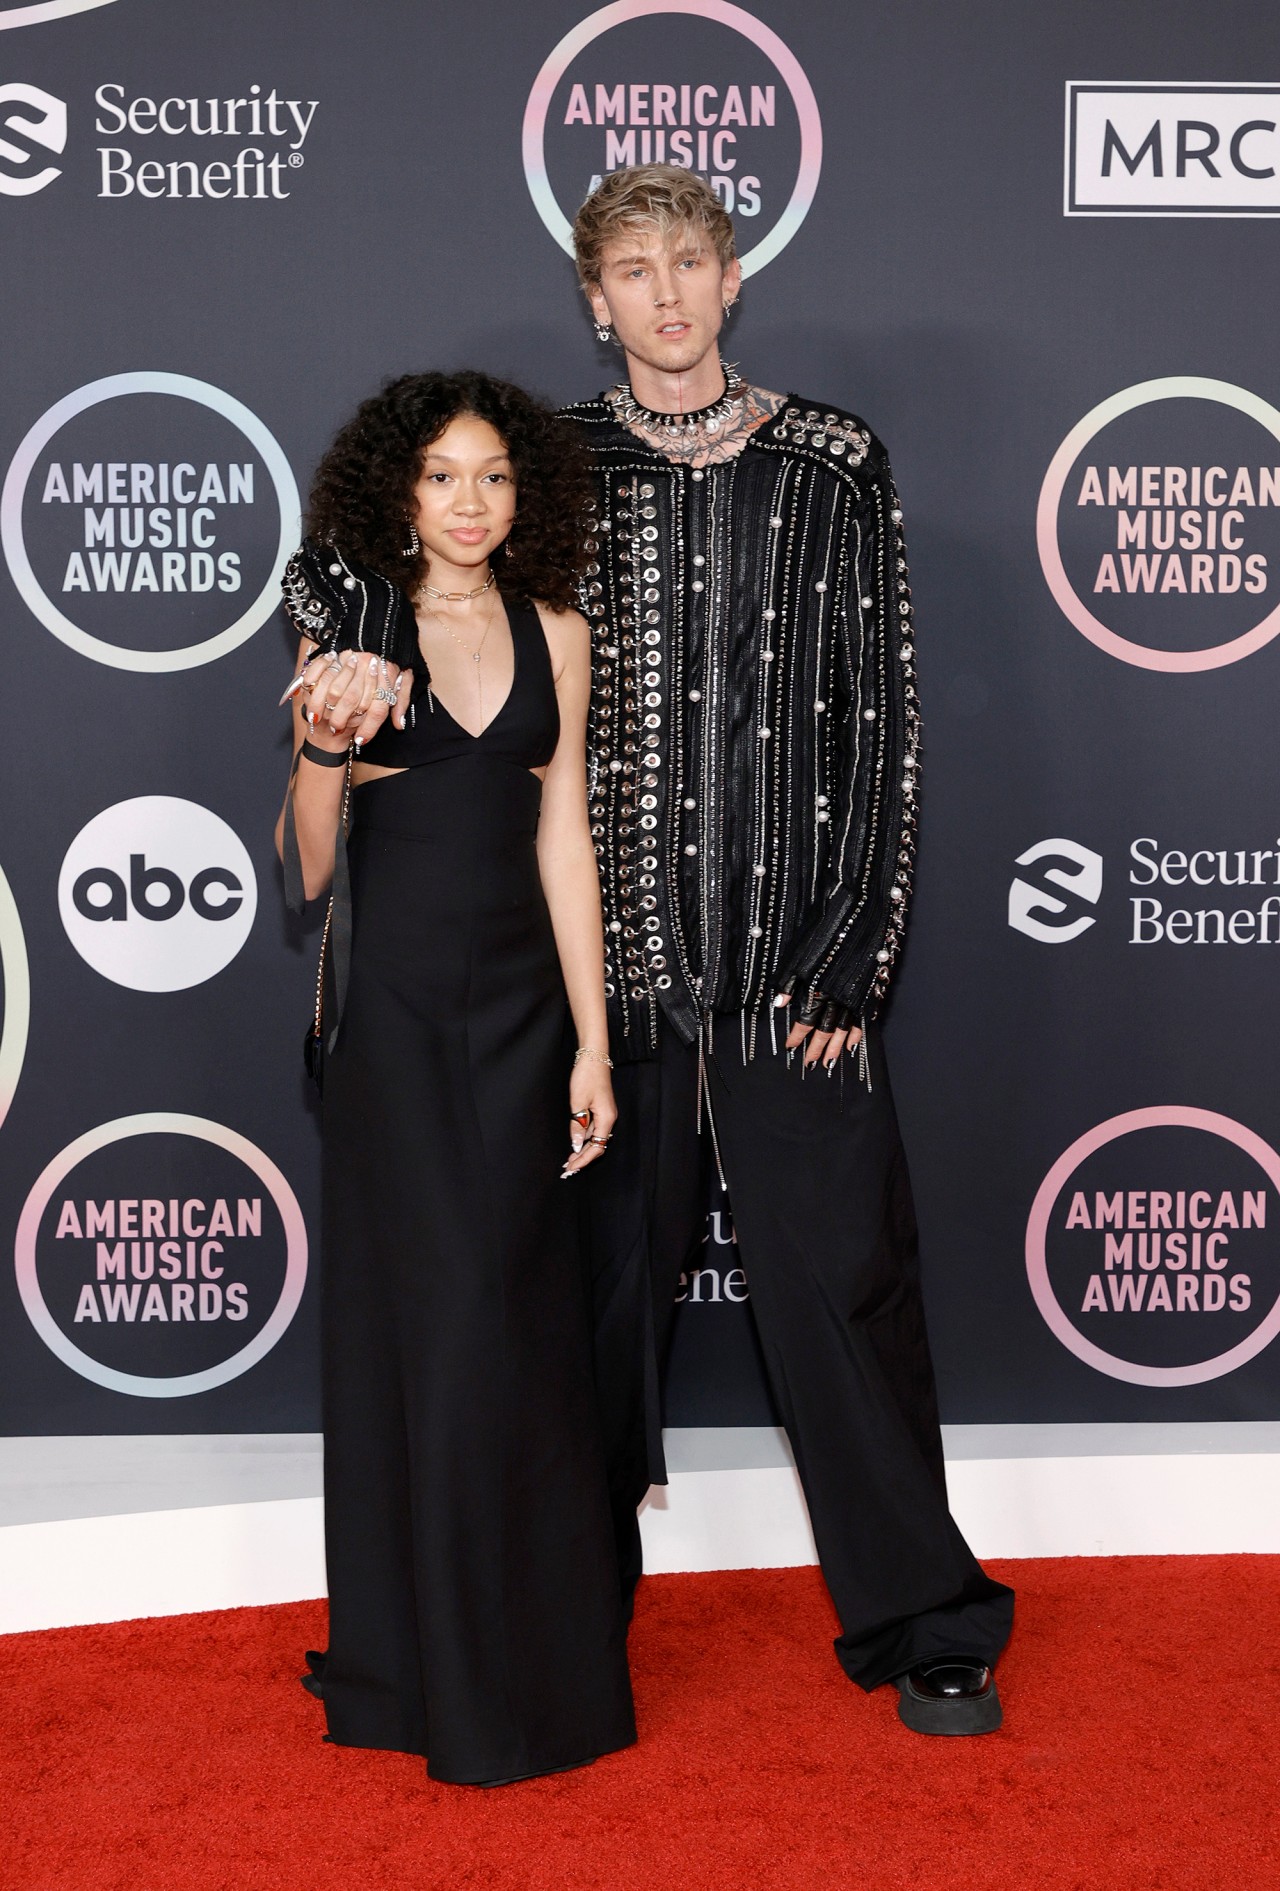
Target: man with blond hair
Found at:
x=753, y=757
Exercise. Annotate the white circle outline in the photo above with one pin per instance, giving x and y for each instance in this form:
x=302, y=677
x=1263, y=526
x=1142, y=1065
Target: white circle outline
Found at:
x=1173, y=1116
x=17, y=996
x=47, y=10
x=32, y=593
x=1064, y=593
x=721, y=13
x=154, y=1123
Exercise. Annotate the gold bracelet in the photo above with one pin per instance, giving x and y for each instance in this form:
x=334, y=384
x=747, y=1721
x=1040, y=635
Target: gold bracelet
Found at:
x=594, y=1056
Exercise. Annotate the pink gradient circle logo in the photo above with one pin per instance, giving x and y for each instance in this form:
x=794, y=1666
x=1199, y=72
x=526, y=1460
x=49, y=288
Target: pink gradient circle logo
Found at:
x=1181, y=531
x=143, y=1269
x=97, y=531
x=1117, y=1270
x=723, y=129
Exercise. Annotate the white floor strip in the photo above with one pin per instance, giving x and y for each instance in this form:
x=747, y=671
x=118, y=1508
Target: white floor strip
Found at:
x=160, y=1562
x=167, y=1562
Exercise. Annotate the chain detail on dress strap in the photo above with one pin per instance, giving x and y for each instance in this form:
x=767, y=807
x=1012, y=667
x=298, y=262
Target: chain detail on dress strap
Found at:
x=344, y=821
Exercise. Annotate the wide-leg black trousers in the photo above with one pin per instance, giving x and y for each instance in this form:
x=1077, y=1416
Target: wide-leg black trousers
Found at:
x=822, y=1208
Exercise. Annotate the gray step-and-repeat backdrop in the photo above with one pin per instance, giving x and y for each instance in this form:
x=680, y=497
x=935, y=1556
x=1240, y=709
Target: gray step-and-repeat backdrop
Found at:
x=1035, y=248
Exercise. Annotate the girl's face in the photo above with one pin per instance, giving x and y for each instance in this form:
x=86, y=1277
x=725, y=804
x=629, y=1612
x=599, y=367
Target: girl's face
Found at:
x=465, y=496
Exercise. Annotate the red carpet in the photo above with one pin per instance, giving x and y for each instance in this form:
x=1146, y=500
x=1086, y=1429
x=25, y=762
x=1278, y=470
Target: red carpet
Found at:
x=1142, y=1704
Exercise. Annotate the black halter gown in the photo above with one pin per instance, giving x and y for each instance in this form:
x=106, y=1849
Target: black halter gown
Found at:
x=474, y=1603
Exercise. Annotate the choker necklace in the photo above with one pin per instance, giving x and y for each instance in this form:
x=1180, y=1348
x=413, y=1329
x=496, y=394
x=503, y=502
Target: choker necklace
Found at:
x=458, y=597
x=710, y=419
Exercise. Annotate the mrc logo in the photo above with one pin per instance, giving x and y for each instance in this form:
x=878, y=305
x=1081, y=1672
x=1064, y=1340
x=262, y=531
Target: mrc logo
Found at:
x=1150, y=150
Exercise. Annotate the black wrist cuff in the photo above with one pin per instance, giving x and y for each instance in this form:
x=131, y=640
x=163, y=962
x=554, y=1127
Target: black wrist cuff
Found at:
x=324, y=758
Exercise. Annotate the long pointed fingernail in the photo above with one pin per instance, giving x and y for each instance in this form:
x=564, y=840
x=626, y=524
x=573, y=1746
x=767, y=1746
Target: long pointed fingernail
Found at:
x=292, y=690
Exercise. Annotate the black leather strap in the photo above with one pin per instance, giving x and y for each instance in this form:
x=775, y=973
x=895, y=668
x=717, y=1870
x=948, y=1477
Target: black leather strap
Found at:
x=295, y=893
x=324, y=758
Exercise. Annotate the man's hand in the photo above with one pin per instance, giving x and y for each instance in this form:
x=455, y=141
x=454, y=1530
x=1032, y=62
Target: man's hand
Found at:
x=824, y=1045
x=350, y=693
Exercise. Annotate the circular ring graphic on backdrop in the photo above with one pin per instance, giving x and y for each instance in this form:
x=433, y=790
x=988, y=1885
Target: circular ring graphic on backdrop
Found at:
x=153, y=1123
x=721, y=13
x=17, y=996
x=1170, y=1117
x=33, y=594
x=1068, y=600
x=38, y=10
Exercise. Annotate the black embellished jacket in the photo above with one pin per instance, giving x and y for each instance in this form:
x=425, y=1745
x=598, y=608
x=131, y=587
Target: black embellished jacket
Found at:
x=753, y=739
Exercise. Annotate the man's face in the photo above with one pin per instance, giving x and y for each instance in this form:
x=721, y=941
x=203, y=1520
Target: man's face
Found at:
x=664, y=299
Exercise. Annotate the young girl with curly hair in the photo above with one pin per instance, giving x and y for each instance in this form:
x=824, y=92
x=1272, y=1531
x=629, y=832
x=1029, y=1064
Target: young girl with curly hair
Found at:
x=474, y=1600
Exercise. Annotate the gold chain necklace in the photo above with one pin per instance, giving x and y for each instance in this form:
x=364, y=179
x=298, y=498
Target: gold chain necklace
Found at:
x=426, y=591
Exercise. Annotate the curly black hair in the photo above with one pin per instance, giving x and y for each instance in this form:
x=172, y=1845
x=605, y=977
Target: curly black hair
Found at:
x=362, y=495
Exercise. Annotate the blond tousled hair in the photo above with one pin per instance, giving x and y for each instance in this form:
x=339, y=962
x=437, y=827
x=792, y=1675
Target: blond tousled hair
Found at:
x=647, y=197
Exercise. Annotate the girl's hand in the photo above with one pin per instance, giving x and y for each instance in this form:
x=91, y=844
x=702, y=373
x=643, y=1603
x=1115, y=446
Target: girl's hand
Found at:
x=351, y=694
x=592, y=1115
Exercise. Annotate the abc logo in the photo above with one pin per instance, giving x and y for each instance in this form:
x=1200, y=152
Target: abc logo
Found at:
x=157, y=893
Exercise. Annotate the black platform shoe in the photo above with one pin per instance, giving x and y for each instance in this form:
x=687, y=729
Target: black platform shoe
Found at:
x=949, y=1694
x=314, y=1682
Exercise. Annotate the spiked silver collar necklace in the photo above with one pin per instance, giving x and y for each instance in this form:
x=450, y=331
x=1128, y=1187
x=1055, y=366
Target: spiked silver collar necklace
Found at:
x=710, y=419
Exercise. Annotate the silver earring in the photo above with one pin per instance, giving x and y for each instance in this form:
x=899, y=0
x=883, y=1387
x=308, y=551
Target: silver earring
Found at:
x=728, y=310
x=415, y=543
x=603, y=332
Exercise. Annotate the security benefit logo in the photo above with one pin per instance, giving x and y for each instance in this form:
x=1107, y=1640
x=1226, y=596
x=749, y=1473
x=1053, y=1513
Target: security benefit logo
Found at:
x=698, y=83
x=146, y=519
x=1188, y=895
x=161, y=1255
x=1172, y=151
x=1037, y=910
x=157, y=893
x=243, y=149
x=239, y=148
x=1159, y=524
x=1153, y=1246
x=33, y=127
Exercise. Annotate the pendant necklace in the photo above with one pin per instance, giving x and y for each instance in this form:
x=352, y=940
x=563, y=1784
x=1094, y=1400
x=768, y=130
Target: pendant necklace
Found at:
x=424, y=591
